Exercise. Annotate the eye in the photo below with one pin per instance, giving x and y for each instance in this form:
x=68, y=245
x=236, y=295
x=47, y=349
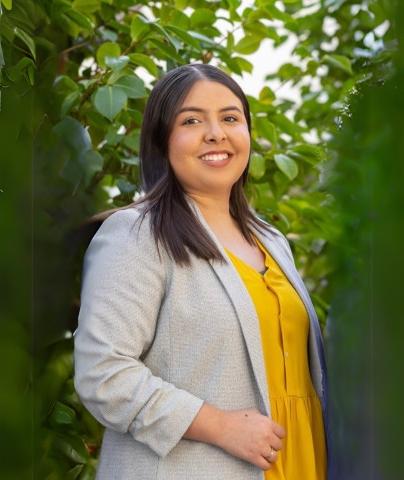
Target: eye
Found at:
x=186, y=122
x=190, y=121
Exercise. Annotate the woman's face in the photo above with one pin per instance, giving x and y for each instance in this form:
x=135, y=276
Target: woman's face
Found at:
x=209, y=144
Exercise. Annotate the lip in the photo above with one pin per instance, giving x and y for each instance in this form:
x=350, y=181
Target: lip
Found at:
x=216, y=152
x=218, y=163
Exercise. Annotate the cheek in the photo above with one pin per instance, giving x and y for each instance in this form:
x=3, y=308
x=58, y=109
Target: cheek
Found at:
x=183, y=139
x=180, y=148
x=242, y=137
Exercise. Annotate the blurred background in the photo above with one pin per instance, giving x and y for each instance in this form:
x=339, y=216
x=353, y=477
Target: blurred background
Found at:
x=324, y=80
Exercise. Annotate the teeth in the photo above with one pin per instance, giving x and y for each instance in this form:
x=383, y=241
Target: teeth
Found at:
x=215, y=158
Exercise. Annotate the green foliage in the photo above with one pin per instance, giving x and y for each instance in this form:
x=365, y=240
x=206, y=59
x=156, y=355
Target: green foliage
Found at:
x=365, y=326
x=84, y=64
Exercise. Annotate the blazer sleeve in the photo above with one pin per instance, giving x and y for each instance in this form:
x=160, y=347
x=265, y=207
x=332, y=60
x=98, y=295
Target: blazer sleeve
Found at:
x=123, y=286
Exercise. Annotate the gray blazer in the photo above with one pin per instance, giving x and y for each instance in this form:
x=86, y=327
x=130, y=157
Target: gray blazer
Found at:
x=156, y=340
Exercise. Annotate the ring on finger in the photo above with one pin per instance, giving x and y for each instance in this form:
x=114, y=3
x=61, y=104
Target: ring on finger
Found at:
x=271, y=454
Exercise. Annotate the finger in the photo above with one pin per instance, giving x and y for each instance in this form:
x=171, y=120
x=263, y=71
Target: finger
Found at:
x=263, y=463
x=271, y=456
x=276, y=443
x=279, y=430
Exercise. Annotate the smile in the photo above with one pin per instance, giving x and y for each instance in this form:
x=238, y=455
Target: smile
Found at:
x=216, y=160
x=215, y=157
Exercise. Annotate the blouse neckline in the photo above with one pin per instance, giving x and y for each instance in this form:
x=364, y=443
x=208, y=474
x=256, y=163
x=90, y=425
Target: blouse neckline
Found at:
x=247, y=265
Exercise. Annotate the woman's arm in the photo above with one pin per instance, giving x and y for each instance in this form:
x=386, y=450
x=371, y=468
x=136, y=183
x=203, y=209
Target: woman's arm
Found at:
x=207, y=425
x=122, y=288
x=245, y=434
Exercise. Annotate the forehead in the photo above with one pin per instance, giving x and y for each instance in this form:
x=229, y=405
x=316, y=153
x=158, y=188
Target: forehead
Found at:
x=211, y=95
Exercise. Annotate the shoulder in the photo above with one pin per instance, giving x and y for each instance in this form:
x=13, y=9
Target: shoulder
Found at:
x=124, y=232
x=126, y=223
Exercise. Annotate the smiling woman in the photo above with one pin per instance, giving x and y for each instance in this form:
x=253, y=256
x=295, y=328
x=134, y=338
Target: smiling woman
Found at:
x=196, y=363
x=216, y=116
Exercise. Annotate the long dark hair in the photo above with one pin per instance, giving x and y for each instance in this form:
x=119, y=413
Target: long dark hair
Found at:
x=172, y=221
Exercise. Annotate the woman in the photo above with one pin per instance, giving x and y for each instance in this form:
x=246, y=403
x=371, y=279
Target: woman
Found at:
x=195, y=327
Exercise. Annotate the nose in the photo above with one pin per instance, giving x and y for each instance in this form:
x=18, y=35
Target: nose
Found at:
x=214, y=133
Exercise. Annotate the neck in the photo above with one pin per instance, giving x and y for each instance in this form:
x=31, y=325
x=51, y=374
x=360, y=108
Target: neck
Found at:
x=214, y=208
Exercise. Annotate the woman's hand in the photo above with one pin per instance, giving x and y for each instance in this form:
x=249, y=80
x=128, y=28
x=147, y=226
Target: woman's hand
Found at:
x=249, y=435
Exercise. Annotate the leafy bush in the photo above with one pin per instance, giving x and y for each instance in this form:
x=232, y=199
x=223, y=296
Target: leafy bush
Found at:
x=76, y=76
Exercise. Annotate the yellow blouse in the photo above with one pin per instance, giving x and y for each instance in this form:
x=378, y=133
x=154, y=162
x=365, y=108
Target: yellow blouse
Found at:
x=284, y=326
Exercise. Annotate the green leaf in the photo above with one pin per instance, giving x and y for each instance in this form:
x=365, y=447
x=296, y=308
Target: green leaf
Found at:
x=172, y=16
x=86, y=6
x=2, y=63
x=112, y=136
x=63, y=85
x=116, y=63
x=107, y=34
x=266, y=129
x=79, y=19
x=73, y=473
x=26, y=39
x=338, y=61
x=130, y=160
x=286, y=165
x=181, y=4
x=261, y=30
x=230, y=41
x=73, y=447
x=248, y=44
x=63, y=414
x=30, y=73
x=167, y=51
x=161, y=30
x=288, y=71
x=202, y=17
x=286, y=125
x=185, y=37
x=245, y=65
x=24, y=65
x=257, y=166
x=208, y=41
x=133, y=86
x=138, y=28
x=69, y=102
x=8, y=4
x=125, y=187
x=89, y=471
x=276, y=13
x=74, y=135
x=107, y=49
x=132, y=141
x=135, y=115
x=311, y=154
x=265, y=198
x=145, y=62
x=109, y=101
x=302, y=51
x=91, y=162
x=266, y=95
x=97, y=120
x=115, y=76
x=233, y=4
x=232, y=63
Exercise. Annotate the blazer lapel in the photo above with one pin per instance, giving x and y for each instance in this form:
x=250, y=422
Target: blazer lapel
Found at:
x=246, y=313
x=244, y=308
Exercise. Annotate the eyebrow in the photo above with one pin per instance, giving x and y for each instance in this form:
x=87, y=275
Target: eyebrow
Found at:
x=197, y=109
